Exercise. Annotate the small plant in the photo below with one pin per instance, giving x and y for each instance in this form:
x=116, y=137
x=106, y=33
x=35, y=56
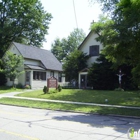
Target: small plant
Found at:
x=59, y=88
x=119, y=89
x=27, y=87
x=45, y=89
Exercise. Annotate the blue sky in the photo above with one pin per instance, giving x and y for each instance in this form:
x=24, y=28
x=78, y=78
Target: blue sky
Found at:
x=63, y=21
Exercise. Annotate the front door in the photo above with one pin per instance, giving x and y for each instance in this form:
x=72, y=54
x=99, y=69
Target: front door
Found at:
x=27, y=78
x=83, y=81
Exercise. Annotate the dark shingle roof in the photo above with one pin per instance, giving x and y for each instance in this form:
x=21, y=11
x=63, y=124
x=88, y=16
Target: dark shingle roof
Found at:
x=45, y=56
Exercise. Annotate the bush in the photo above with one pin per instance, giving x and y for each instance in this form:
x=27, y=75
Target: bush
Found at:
x=27, y=87
x=3, y=79
x=119, y=89
x=59, y=88
x=19, y=86
x=45, y=89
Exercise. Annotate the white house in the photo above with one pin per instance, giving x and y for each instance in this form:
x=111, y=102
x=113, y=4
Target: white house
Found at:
x=91, y=47
x=39, y=65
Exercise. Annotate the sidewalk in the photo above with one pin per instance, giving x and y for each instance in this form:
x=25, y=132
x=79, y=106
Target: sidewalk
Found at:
x=12, y=95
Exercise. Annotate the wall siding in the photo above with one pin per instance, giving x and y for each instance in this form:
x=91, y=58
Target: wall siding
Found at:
x=91, y=40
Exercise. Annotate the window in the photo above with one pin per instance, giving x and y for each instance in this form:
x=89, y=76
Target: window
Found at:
x=11, y=79
x=52, y=73
x=39, y=75
x=94, y=50
x=27, y=76
x=59, y=77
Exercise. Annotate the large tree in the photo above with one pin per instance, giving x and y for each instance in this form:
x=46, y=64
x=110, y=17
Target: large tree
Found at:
x=22, y=21
x=120, y=34
x=73, y=63
x=63, y=47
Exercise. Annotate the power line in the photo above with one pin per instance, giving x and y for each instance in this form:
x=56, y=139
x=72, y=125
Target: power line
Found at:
x=75, y=14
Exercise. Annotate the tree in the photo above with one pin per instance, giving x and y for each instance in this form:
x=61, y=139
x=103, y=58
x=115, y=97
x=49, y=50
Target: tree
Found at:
x=58, y=48
x=73, y=63
x=12, y=65
x=22, y=21
x=62, y=48
x=120, y=34
x=102, y=76
x=2, y=79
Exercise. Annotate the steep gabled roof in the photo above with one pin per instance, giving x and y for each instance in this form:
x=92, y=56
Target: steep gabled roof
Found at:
x=46, y=57
x=85, y=39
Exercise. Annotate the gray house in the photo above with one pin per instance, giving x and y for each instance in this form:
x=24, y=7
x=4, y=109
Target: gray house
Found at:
x=39, y=65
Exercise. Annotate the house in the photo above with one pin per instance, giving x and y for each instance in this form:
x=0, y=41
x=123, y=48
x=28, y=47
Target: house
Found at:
x=39, y=65
x=91, y=47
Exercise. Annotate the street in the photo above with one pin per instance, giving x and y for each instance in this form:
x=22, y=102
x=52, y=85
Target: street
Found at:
x=20, y=123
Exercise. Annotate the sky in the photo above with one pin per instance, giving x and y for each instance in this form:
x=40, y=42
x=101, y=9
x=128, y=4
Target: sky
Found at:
x=63, y=21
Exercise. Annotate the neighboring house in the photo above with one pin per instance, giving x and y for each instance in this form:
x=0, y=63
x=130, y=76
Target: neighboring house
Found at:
x=92, y=48
x=39, y=65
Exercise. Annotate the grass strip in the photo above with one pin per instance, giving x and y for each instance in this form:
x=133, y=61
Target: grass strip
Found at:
x=5, y=89
x=70, y=107
x=125, y=98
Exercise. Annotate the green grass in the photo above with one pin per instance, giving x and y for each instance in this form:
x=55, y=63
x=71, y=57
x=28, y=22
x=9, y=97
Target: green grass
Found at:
x=69, y=107
x=127, y=98
x=6, y=89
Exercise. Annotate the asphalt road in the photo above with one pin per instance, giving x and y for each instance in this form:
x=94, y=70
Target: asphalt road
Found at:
x=19, y=123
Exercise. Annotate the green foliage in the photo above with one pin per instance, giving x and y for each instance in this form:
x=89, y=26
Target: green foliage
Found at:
x=12, y=65
x=62, y=48
x=102, y=76
x=22, y=21
x=45, y=89
x=107, y=6
x=59, y=88
x=73, y=63
x=20, y=86
x=120, y=34
x=27, y=87
x=3, y=79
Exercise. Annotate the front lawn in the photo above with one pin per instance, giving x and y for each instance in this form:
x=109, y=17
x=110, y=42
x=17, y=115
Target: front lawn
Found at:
x=6, y=89
x=128, y=98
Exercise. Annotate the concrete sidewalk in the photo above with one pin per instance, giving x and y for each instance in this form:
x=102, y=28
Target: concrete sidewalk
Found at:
x=12, y=95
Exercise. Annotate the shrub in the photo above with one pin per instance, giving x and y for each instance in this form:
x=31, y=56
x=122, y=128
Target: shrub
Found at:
x=119, y=89
x=59, y=88
x=3, y=79
x=19, y=86
x=27, y=87
x=45, y=89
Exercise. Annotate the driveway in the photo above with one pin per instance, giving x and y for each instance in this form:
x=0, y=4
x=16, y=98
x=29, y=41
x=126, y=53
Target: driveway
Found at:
x=19, y=123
